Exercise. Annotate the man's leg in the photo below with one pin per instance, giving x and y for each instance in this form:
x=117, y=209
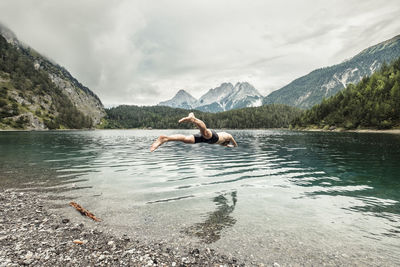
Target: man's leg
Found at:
x=199, y=123
x=176, y=137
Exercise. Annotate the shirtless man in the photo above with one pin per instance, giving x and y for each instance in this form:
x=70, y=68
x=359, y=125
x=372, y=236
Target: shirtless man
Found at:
x=205, y=135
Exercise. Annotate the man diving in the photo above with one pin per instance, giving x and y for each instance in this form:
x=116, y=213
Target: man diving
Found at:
x=205, y=135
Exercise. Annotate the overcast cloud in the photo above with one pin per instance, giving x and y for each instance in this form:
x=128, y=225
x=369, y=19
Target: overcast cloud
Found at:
x=143, y=52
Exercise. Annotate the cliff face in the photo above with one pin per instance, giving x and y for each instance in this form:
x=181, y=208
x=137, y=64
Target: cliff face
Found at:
x=36, y=93
x=81, y=97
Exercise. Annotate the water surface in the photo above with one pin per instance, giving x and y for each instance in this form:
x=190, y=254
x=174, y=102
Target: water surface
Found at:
x=279, y=193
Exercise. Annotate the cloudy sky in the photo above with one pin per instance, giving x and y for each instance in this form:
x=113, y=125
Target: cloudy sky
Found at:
x=143, y=52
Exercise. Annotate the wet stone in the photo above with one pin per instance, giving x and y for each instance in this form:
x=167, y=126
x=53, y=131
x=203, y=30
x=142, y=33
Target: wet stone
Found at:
x=44, y=238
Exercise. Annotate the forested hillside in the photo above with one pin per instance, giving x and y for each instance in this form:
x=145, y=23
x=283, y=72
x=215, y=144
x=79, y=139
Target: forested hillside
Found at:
x=159, y=117
x=37, y=93
x=372, y=103
x=27, y=95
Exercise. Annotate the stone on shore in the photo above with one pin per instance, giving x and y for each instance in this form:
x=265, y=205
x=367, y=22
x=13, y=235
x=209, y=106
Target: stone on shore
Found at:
x=31, y=234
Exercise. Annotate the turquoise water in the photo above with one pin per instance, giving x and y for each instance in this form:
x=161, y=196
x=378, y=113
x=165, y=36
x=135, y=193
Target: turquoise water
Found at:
x=325, y=191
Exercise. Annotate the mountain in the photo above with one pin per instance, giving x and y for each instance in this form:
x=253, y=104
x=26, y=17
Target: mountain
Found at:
x=37, y=93
x=182, y=99
x=310, y=89
x=244, y=95
x=215, y=97
x=222, y=98
x=372, y=103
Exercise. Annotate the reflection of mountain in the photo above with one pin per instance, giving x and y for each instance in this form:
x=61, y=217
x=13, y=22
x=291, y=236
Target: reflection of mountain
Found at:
x=209, y=231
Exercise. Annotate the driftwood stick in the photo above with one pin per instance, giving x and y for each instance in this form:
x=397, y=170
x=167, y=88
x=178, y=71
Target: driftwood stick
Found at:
x=84, y=211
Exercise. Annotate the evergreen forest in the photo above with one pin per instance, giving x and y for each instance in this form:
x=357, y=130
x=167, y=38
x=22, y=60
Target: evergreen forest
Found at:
x=161, y=117
x=373, y=103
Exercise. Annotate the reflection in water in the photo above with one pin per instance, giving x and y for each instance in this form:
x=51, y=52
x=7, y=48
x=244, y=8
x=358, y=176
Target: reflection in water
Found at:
x=341, y=181
x=209, y=231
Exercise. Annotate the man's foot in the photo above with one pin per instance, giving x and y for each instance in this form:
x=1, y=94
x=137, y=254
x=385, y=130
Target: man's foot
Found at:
x=189, y=118
x=160, y=140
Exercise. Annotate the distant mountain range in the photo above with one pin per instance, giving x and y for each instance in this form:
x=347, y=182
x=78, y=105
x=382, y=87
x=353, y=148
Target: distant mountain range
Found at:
x=223, y=98
x=310, y=89
x=303, y=92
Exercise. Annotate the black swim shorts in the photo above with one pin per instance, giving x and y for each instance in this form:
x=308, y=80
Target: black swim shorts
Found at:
x=198, y=138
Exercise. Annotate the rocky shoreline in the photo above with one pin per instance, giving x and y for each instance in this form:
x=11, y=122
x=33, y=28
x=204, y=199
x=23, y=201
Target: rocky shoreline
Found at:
x=33, y=234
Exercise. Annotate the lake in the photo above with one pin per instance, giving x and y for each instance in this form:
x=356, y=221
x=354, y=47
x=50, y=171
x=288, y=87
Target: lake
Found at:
x=279, y=196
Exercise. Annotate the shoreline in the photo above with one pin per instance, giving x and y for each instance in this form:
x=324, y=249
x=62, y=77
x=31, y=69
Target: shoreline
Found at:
x=33, y=232
x=337, y=130
x=341, y=130
x=38, y=228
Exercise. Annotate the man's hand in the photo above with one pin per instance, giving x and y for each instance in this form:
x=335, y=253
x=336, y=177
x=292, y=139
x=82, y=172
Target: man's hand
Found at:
x=233, y=142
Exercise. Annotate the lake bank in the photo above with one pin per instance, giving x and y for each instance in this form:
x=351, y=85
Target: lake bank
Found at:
x=389, y=131
x=33, y=232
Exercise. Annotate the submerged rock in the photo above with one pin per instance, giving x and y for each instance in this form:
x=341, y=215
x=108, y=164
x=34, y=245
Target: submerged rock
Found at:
x=38, y=239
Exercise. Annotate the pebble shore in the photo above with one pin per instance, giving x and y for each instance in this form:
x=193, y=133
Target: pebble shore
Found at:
x=32, y=234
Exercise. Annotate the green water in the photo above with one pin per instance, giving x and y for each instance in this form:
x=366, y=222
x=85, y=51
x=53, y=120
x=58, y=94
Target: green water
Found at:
x=325, y=191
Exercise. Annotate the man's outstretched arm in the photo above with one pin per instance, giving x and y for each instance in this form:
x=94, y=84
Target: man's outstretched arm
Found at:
x=233, y=142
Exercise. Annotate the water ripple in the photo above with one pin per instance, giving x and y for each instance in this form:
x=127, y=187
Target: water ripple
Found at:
x=352, y=176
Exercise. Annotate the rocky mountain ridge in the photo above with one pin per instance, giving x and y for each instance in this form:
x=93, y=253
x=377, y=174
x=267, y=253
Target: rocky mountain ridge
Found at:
x=182, y=99
x=312, y=88
x=222, y=98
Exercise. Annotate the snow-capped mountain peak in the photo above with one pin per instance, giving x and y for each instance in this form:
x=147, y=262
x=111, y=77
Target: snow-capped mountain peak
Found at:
x=244, y=89
x=216, y=95
x=182, y=99
x=222, y=98
x=243, y=95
